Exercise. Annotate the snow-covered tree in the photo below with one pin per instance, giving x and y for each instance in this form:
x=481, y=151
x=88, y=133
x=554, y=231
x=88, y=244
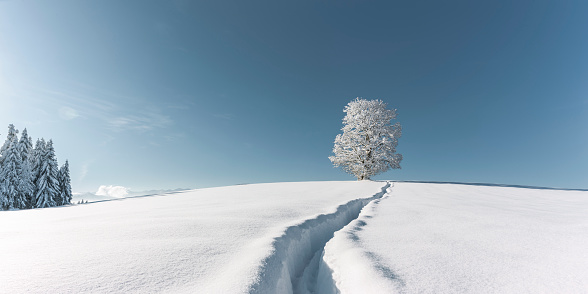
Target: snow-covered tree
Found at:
x=3, y=200
x=25, y=149
x=31, y=177
x=25, y=145
x=47, y=186
x=36, y=162
x=368, y=143
x=10, y=181
x=64, y=185
x=12, y=133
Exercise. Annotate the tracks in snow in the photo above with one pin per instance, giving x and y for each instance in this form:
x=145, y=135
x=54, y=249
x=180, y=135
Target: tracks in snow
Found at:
x=294, y=265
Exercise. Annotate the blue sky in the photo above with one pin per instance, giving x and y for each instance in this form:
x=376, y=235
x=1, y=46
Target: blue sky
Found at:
x=188, y=94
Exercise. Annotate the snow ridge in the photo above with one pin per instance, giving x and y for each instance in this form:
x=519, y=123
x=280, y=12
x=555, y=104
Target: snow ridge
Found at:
x=293, y=267
x=367, y=275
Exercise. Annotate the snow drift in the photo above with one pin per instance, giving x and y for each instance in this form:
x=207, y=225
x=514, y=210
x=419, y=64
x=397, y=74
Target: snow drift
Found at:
x=451, y=238
x=270, y=238
x=202, y=241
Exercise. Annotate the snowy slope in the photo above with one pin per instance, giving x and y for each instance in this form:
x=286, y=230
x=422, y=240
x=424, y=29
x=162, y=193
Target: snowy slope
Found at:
x=92, y=197
x=217, y=240
x=450, y=238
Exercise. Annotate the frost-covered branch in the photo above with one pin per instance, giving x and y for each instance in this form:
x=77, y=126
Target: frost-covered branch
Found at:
x=368, y=143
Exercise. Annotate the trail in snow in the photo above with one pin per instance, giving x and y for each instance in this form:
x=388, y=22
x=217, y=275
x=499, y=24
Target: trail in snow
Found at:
x=293, y=267
x=202, y=241
x=347, y=267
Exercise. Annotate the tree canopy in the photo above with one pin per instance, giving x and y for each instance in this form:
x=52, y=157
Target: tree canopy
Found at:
x=368, y=143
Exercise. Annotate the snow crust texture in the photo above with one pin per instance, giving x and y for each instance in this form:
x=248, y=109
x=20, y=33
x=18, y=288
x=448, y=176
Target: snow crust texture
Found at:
x=451, y=238
x=217, y=240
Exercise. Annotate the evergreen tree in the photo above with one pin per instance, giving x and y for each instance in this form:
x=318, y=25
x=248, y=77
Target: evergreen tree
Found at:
x=10, y=177
x=35, y=158
x=12, y=133
x=25, y=146
x=52, y=160
x=31, y=177
x=47, y=186
x=25, y=149
x=64, y=184
x=36, y=163
x=3, y=199
x=26, y=187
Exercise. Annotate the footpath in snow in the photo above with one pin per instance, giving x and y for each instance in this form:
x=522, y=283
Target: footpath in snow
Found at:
x=293, y=266
x=452, y=238
x=262, y=238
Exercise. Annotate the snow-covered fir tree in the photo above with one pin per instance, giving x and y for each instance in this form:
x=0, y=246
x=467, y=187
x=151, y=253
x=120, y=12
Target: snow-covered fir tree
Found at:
x=47, y=186
x=12, y=133
x=25, y=145
x=25, y=149
x=36, y=162
x=368, y=143
x=64, y=184
x=36, y=158
x=3, y=200
x=10, y=181
x=31, y=177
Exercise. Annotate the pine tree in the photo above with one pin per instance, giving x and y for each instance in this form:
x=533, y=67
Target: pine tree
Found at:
x=65, y=184
x=25, y=146
x=35, y=158
x=36, y=162
x=47, y=186
x=3, y=199
x=25, y=149
x=12, y=133
x=31, y=177
x=54, y=173
x=10, y=177
x=368, y=144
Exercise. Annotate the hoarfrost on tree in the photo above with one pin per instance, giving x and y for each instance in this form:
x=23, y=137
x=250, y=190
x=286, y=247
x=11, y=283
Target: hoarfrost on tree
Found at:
x=368, y=143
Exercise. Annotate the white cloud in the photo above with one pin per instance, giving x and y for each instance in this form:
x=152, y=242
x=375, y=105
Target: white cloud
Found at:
x=68, y=113
x=119, y=116
x=226, y=116
x=143, y=121
x=112, y=191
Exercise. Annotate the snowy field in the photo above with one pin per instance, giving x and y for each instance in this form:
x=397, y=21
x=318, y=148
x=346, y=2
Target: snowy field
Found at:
x=450, y=238
x=270, y=238
x=217, y=240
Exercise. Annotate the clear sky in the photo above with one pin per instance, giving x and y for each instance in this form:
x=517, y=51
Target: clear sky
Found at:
x=189, y=94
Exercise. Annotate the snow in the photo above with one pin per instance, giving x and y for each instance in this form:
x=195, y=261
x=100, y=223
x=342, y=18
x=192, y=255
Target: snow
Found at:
x=294, y=264
x=216, y=240
x=301, y=238
x=94, y=197
x=451, y=238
